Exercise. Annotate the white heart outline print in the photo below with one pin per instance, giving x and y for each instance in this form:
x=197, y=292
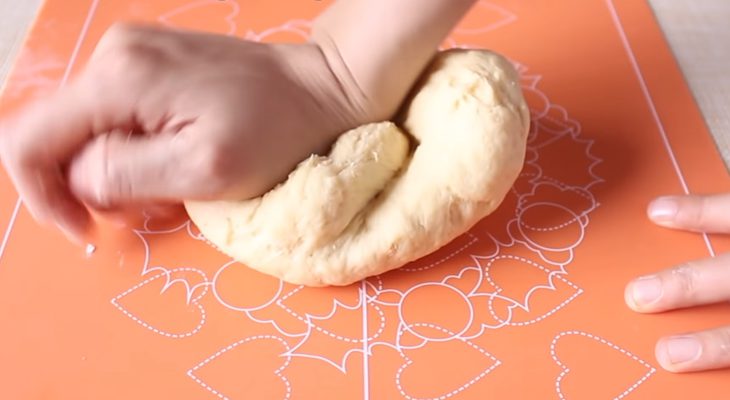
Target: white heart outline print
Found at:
x=524, y=304
x=166, y=274
x=564, y=370
x=408, y=362
x=307, y=320
x=277, y=372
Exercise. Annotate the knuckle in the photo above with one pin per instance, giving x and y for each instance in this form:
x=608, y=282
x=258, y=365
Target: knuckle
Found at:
x=135, y=57
x=121, y=31
x=722, y=341
x=4, y=133
x=112, y=184
x=213, y=167
x=118, y=188
x=686, y=277
x=126, y=51
x=117, y=35
x=701, y=211
x=4, y=147
x=692, y=211
x=14, y=152
x=15, y=148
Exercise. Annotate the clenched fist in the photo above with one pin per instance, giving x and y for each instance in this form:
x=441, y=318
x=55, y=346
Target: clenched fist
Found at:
x=159, y=116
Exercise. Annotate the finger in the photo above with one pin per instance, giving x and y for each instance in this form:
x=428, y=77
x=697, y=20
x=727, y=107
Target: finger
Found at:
x=37, y=143
x=695, y=351
x=116, y=170
x=41, y=183
x=32, y=148
x=48, y=129
x=694, y=283
x=696, y=213
x=70, y=216
x=64, y=211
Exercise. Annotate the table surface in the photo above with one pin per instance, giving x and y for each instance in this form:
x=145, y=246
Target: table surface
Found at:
x=697, y=32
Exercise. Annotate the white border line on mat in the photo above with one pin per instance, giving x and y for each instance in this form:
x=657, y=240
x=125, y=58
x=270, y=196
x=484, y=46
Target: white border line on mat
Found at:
x=365, y=361
x=652, y=107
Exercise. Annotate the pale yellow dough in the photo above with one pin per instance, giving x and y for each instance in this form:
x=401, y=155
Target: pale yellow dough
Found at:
x=382, y=198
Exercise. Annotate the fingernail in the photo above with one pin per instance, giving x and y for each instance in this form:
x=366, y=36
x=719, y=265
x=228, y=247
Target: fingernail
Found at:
x=646, y=291
x=663, y=209
x=683, y=349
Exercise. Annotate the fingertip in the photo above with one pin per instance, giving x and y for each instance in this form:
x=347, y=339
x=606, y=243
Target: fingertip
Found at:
x=73, y=235
x=662, y=357
x=77, y=229
x=41, y=218
x=678, y=353
x=3, y=136
x=629, y=298
x=643, y=294
x=663, y=210
x=73, y=220
x=698, y=213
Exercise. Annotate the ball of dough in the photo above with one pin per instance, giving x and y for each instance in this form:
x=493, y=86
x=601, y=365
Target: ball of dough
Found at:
x=384, y=197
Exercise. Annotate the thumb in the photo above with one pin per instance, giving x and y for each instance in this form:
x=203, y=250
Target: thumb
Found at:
x=696, y=213
x=116, y=169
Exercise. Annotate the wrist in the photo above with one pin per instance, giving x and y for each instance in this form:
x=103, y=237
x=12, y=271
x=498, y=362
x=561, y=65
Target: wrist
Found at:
x=319, y=73
x=380, y=47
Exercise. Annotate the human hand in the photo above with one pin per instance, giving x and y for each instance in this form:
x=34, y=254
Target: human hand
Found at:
x=690, y=284
x=160, y=116
x=213, y=117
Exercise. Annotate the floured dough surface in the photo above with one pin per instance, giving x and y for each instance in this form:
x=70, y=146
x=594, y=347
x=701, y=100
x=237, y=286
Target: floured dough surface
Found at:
x=383, y=197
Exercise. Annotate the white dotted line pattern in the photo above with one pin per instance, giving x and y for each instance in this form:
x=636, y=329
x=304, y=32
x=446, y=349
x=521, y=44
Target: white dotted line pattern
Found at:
x=445, y=258
x=494, y=315
x=291, y=293
x=409, y=362
x=574, y=129
x=555, y=227
x=115, y=302
x=577, y=293
x=379, y=286
x=510, y=257
x=566, y=370
x=309, y=323
x=231, y=346
x=577, y=190
x=196, y=236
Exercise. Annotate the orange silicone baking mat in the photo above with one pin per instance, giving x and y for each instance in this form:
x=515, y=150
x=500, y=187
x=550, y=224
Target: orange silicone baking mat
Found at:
x=527, y=305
